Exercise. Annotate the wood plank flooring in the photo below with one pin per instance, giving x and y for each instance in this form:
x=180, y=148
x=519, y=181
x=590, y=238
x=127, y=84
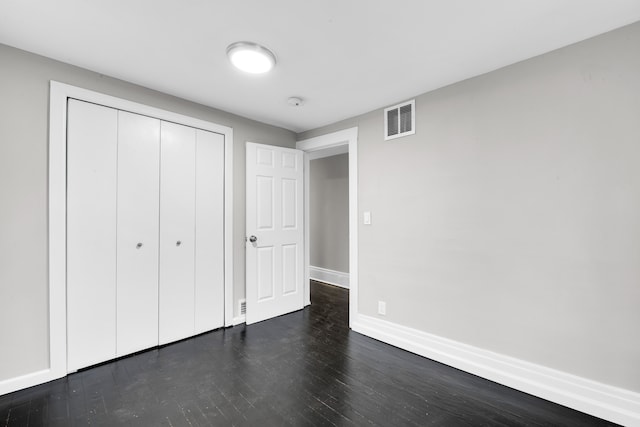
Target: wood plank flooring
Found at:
x=303, y=369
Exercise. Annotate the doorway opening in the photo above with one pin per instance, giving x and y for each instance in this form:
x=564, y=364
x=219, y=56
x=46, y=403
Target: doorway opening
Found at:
x=329, y=224
x=325, y=146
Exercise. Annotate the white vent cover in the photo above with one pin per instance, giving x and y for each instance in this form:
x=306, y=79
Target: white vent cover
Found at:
x=242, y=307
x=400, y=120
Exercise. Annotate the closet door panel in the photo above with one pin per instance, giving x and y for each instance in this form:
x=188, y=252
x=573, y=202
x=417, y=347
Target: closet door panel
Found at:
x=91, y=234
x=138, y=223
x=209, y=265
x=177, y=232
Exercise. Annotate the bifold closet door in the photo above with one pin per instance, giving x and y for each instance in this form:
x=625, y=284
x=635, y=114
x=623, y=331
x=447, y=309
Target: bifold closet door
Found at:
x=145, y=233
x=138, y=225
x=209, y=291
x=92, y=133
x=177, y=232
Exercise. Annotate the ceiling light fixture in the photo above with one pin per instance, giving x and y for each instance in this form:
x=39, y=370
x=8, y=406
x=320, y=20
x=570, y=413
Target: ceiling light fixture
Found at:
x=251, y=57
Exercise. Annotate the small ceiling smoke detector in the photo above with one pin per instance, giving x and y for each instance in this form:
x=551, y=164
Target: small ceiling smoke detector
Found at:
x=294, y=101
x=251, y=57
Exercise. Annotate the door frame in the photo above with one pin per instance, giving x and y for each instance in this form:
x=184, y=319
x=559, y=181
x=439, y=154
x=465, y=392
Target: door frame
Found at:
x=59, y=93
x=324, y=146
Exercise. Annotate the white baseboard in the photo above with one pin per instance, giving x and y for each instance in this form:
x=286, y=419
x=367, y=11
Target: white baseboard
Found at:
x=25, y=381
x=601, y=400
x=332, y=277
x=238, y=320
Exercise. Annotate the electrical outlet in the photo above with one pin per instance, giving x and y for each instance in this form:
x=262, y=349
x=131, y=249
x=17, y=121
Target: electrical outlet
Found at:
x=382, y=307
x=367, y=218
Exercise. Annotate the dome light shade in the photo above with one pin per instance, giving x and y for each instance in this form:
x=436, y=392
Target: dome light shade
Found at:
x=251, y=57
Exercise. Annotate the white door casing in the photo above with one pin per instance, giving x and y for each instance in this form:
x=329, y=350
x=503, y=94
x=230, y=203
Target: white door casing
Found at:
x=274, y=213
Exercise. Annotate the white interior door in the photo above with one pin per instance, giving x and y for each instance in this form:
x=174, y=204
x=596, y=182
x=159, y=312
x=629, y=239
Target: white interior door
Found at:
x=274, y=213
x=91, y=234
x=137, y=254
x=177, y=232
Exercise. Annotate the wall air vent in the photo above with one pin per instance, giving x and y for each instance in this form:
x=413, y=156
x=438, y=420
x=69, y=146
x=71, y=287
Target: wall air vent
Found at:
x=242, y=307
x=400, y=120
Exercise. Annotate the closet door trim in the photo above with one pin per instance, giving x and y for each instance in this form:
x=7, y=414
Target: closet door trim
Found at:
x=59, y=94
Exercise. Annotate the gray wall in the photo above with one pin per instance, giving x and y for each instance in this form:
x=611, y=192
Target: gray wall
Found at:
x=24, y=112
x=511, y=220
x=329, y=212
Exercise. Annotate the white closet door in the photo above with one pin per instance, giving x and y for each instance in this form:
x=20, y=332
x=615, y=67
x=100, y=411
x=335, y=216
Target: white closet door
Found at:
x=177, y=232
x=91, y=234
x=209, y=280
x=138, y=211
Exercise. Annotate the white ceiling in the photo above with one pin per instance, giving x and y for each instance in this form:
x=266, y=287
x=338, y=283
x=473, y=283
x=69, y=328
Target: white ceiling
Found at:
x=343, y=57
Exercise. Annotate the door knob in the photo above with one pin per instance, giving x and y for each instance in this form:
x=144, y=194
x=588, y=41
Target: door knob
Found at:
x=253, y=239
x=178, y=243
x=139, y=245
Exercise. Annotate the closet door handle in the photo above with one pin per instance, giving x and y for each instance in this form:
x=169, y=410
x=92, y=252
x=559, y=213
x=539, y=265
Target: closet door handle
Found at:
x=178, y=243
x=139, y=245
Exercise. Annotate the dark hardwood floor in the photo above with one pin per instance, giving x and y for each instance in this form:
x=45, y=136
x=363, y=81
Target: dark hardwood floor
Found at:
x=303, y=369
